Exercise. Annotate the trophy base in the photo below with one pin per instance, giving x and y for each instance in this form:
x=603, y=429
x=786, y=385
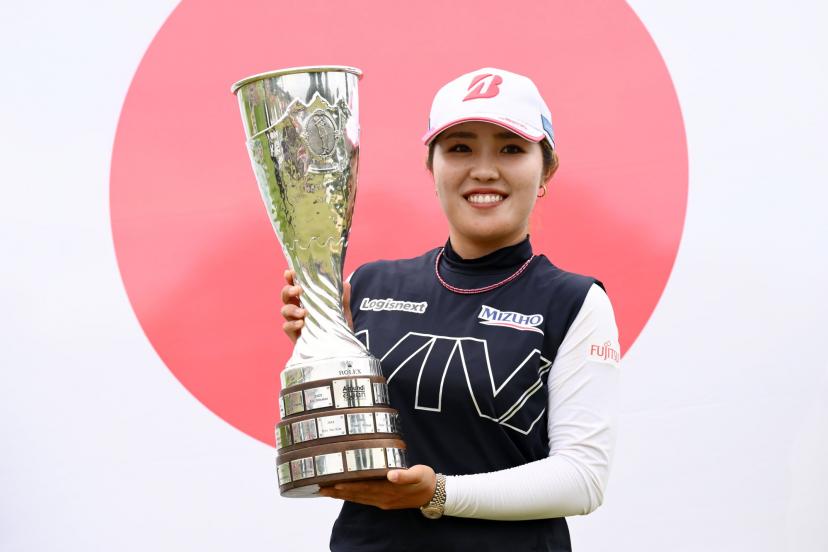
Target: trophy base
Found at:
x=302, y=472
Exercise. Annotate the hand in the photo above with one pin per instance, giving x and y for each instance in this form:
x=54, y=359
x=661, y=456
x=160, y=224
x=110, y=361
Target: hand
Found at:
x=294, y=314
x=409, y=488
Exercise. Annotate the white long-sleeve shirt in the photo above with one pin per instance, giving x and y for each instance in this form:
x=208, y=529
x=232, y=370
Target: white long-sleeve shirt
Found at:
x=582, y=386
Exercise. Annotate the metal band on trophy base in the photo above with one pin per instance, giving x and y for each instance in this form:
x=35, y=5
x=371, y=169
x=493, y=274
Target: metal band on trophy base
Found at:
x=302, y=130
x=350, y=425
x=302, y=472
x=333, y=394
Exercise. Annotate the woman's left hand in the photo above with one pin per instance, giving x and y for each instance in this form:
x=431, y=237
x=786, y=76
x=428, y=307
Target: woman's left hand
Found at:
x=409, y=488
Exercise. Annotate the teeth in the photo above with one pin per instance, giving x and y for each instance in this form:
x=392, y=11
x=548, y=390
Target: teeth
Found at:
x=485, y=198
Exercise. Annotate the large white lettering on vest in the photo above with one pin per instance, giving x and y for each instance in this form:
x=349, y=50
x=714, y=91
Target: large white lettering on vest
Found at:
x=511, y=401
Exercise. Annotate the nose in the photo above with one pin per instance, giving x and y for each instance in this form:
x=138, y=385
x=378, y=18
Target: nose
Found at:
x=484, y=169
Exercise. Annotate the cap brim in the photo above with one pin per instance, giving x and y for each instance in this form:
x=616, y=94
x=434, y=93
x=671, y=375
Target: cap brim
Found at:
x=431, y=134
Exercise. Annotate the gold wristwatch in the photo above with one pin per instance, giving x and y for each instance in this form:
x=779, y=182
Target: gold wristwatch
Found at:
x=434, y=508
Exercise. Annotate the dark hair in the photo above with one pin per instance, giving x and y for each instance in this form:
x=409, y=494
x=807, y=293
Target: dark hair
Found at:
x=550, y=158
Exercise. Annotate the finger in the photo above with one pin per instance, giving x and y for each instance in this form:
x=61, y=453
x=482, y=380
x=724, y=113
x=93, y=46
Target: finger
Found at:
x=346, y=493
x=380, y=500
x=290, y=277
x=291, y=312
x=367, y=500
x=293, y=328
x=367, y=486
x=293, y=325
x=411, y=476
x=291, y=294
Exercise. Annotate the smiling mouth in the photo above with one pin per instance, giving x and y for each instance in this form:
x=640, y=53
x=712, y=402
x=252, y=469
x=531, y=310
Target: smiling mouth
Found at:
x=485, y=199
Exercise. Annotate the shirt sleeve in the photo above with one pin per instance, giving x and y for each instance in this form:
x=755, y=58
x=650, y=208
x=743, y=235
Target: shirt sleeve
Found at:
x=582, y=387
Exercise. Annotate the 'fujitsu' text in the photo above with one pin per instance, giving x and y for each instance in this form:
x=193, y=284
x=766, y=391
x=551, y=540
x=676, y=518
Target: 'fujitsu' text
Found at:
x=604, y=352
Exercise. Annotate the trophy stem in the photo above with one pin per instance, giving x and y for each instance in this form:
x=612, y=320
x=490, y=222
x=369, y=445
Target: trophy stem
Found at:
x=325, y=333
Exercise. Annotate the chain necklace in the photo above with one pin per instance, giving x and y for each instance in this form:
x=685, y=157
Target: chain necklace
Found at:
x=462, y=291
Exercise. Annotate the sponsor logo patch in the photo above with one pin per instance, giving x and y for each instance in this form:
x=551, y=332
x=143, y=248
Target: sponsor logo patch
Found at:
x=604, y=352
x=485, y=85
x=490, y=316
x=390, y=304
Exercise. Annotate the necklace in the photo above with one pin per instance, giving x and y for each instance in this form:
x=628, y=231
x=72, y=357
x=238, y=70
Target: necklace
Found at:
x=450, y=287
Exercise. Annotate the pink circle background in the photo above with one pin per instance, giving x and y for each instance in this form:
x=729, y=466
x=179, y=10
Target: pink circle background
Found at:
x=200, y=262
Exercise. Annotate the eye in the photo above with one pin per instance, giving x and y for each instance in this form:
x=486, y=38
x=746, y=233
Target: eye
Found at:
x=512, y=148
x=459, y=148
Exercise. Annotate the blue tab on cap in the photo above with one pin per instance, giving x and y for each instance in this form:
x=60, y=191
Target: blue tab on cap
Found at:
x=547, y=127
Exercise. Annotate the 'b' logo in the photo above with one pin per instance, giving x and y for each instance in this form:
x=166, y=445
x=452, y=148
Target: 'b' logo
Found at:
x=483, y=86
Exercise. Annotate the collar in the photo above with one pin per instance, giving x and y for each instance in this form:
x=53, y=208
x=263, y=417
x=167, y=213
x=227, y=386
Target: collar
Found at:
x=497, y=261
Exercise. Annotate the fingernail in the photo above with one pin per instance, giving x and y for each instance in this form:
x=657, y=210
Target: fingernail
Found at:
x=393, y=476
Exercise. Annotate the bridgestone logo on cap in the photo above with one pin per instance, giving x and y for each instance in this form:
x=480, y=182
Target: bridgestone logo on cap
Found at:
x=486, y=85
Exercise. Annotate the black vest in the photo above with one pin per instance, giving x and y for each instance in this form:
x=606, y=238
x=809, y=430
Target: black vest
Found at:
x=468, y=375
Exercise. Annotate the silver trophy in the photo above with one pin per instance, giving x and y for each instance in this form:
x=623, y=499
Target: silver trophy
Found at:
x=302, y=127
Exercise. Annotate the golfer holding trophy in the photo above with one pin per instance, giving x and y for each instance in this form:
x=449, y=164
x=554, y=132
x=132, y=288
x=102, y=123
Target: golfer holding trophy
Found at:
x=502, y=368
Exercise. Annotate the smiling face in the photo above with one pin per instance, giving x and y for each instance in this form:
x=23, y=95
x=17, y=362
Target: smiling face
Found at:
x=487, y=179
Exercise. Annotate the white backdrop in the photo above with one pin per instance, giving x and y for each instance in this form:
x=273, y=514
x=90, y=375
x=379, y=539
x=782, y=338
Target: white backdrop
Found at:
x=724, y=434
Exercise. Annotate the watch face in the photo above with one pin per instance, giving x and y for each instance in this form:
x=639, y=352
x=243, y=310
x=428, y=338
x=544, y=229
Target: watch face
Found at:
x=432, y=512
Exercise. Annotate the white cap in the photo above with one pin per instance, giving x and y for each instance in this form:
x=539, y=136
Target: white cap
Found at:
x=492, y=96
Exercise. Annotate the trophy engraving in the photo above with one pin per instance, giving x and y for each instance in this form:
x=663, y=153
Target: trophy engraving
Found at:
x=320, y=134
x=302, y=133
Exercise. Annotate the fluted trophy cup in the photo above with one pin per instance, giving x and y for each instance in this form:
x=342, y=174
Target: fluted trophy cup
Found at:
x=302, y=127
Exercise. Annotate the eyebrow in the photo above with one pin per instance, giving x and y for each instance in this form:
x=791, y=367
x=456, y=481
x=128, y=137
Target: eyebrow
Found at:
x=459, y=134
x=505, y=135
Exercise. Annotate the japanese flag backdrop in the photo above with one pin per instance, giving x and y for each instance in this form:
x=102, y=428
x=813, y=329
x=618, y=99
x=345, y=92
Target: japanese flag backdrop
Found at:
x=140, y=326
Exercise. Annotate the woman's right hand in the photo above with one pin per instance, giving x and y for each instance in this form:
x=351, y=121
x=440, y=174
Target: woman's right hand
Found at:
x=292, y=311
x=294, y=314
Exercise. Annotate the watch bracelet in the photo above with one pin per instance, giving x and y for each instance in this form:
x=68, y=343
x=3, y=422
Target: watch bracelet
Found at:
x=439, y=496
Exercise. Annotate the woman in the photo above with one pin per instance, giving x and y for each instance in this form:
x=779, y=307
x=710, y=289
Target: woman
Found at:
x=505, y=373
